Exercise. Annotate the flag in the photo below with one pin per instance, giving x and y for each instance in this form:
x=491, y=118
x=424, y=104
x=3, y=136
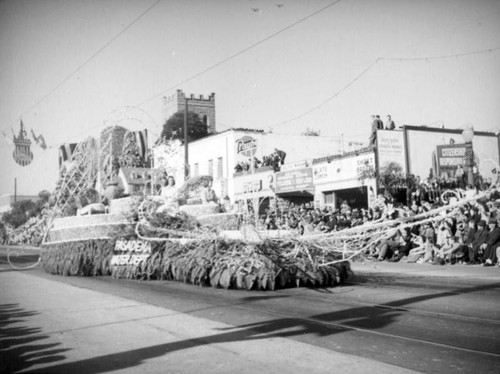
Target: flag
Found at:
x=40, y=140
x=141, y=138
x=66, y=152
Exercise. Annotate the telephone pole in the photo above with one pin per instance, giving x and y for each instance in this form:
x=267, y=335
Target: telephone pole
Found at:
x=186, y=152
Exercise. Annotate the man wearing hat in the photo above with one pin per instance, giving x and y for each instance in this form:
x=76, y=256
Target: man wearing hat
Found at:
x=480, y=237
x=466, y=238
x=489, y=247
x=495, y=194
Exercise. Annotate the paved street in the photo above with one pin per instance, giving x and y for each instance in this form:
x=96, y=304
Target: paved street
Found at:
x=392, y=318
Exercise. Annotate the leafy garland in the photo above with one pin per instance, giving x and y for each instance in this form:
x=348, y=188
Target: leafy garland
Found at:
x=217, y=263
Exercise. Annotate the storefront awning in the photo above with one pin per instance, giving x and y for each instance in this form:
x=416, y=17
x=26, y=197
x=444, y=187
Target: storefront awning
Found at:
x=303, y=193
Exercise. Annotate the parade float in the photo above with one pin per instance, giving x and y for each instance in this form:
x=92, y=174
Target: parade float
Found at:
x=106, y=220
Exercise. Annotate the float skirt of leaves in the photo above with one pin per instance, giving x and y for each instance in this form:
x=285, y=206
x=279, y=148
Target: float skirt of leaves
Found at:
x=88, y=257
x=217, y=263
x=235, y=264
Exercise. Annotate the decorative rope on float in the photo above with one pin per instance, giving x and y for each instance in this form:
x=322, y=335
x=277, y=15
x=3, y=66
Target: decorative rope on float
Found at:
x=14, y=266
x=420, y=219
x=182, y=234
x=362, y=237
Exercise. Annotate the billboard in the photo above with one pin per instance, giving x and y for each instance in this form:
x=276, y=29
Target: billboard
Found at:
x=390, y=148
x=432, y=151
x=295, y=180
x=342, y=169
x=448, y=158
x=254, y=185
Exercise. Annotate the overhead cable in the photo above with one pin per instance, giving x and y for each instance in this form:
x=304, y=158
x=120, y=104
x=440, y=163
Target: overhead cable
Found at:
x=239, y=53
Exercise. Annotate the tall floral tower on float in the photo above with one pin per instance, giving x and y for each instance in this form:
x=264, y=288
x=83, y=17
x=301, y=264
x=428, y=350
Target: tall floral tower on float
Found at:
x=204, y=107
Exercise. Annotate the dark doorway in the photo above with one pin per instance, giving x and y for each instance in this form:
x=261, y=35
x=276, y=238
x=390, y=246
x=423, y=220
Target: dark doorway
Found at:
x=355, y=197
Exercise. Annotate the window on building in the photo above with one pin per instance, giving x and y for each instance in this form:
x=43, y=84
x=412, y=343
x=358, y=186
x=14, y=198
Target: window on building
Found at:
x=211, y=168
x=196, y=170
x=219, y=168
x=329, y=199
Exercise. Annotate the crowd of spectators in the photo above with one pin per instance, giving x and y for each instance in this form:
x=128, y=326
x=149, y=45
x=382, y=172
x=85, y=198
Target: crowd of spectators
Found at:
x=274, y=160
x=471, y=235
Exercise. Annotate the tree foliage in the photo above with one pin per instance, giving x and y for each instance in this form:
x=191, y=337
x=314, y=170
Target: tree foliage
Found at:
x=311, y=132
x=20, y=213
x=130, y=155
x=393, y=179
x=174, y=127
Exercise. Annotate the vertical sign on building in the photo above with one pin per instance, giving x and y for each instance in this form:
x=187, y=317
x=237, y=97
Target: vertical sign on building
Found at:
x=390, y=148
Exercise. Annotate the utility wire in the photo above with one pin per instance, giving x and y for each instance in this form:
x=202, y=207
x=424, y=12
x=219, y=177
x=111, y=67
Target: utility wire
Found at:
x=399, y=59
x=369, y=67
x=350, y=83
x=94, y=55
x=481, y=51
x=239, y=53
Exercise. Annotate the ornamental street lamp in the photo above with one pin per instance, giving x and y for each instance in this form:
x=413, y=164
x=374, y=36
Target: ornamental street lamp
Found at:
x=468, y=135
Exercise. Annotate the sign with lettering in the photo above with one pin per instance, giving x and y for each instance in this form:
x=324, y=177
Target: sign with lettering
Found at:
x=295, y=180
x=343, y=169
x=130, y=252
x=254, y=185
x=295, y=165
x=246, y=146
x=321, y=172
x=390, y=148
x=450, y=156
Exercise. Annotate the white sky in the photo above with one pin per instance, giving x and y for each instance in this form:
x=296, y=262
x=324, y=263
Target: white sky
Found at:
x=42, y=42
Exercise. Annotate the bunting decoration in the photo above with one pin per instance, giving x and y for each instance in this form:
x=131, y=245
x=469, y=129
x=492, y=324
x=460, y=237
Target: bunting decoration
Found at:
x=141, y=138
x=22, y=152
x=40, y=140
x=66, y=152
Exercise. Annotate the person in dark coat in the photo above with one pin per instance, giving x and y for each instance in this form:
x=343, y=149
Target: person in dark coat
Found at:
x=373, y=135
x=480, y=238
x=468, y=235
x=489, y=247
x=281, y=155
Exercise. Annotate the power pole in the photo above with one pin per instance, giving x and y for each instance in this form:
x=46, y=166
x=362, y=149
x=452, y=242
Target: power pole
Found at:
x=186, y=152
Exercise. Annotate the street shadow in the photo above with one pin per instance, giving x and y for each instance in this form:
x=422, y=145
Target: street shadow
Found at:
x=21, y=345
x=250, y=299
x=325, y=324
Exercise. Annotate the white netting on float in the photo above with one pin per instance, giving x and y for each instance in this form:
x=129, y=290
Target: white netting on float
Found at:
x=77, y=175
x=350, y=242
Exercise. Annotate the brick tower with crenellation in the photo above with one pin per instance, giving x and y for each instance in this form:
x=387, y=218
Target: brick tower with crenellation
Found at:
x=205, y=108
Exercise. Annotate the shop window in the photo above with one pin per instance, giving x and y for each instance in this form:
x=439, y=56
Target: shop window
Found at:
x=211, y=168
x=219, y=168
x=329, y=198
